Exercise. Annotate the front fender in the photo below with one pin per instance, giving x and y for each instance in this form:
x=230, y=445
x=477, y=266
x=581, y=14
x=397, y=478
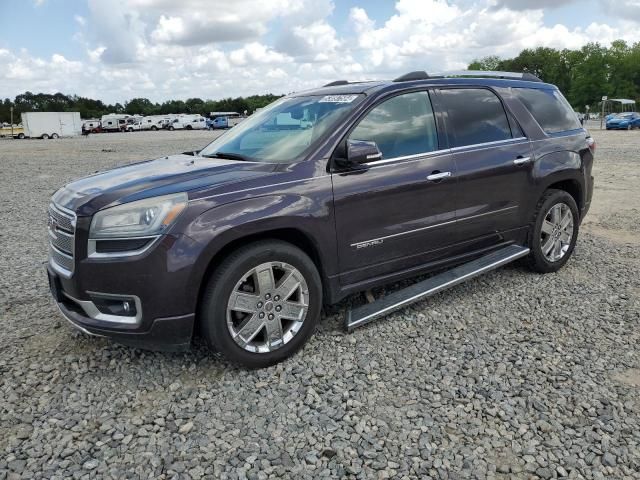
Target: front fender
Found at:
x=221, y=225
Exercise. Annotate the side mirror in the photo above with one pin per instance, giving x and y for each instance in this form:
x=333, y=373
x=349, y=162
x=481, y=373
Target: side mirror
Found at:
x=361, y=151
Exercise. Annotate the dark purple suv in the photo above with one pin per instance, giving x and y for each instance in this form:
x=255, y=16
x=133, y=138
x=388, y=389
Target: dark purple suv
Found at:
x=322, y=194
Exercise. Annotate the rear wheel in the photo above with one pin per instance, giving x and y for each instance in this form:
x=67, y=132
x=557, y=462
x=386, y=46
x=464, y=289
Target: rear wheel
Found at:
x=189, y=127
x=553, y=235
x=154, y=128
x=171, y=127
x=262, y=303
x=21, y=136
x=54, y=136
x=45, y=136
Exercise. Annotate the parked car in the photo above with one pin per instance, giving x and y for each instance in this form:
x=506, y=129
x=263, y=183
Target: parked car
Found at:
x=16, y=131
x=246, y=240
x=624, y=121
x=218, y=123
x=134, y=126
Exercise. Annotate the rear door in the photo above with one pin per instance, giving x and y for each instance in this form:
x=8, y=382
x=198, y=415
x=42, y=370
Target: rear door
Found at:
x=494, y=164
x=397, y=212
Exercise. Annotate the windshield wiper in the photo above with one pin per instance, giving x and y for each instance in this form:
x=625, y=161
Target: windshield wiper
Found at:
x=229, y=156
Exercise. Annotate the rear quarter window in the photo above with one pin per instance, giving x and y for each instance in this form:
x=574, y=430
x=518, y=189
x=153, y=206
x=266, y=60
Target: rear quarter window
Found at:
x=550, y=109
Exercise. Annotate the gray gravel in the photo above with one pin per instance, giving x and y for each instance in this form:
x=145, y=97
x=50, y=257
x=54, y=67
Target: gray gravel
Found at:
x=512, y=375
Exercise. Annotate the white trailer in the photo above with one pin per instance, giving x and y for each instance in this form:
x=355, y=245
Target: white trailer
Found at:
x=51, y=124
x=92, y=125
x=114, y=122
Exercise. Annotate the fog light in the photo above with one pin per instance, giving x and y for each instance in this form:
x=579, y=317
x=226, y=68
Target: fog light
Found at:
x=124, y=307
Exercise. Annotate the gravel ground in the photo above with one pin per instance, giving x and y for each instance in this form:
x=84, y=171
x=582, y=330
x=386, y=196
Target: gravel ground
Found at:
x=512, y=375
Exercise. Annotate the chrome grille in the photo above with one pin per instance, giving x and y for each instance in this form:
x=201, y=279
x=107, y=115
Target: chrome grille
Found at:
x=61, y=227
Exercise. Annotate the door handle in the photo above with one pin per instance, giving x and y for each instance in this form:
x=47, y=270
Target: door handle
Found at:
x=521, y=160
x=435, y=176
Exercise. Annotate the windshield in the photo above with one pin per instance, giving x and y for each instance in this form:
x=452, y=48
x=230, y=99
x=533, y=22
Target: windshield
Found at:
x=624, y=115
x=284, y=130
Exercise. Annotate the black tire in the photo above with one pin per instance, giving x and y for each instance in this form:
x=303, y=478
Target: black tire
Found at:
x=171, y=128
x=45, y=136
x=21, y=136
x=154, y=128
x=189, y=127
x=213, y=312
x=537, y=260
x=54, y=136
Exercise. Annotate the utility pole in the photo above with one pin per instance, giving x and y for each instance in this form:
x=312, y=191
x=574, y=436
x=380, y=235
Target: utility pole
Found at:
x=11, y=110
x=604, y=101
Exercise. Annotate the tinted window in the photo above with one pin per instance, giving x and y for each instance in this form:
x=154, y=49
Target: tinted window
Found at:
x=549, y=108
x=402, y=125
x=475, y=116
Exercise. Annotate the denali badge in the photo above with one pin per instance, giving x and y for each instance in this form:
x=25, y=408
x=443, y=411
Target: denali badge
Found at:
x=371, y=243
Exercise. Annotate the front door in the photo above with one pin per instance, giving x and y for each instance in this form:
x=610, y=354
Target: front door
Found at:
x=398, y=212
x=494, y=163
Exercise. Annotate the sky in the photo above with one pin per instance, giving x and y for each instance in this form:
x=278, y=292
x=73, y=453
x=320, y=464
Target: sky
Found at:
x=115, y=50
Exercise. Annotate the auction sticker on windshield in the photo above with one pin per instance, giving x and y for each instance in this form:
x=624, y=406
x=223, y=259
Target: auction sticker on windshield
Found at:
x=338, y=99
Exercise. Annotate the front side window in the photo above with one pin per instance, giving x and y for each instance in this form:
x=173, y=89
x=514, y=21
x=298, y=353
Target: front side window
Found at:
x=283, y=131
x=475, y=116
x=550, y=109
x=403, y=125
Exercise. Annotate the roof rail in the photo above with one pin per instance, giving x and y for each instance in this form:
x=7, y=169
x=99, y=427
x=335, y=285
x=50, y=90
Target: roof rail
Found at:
x=417, y=75
x=336, y=82
x=490, y=74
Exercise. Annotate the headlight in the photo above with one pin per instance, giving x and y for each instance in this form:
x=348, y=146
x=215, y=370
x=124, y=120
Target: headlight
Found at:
x=151, y=216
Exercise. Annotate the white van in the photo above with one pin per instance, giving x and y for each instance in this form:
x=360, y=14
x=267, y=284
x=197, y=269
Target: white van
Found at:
x=188, y=122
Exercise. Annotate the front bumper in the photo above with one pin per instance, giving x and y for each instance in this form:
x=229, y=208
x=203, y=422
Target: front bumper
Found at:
x=165, y=334
x=155, y=281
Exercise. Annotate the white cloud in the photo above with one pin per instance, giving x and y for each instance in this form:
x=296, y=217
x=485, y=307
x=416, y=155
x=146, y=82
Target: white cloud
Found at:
x=211, y=48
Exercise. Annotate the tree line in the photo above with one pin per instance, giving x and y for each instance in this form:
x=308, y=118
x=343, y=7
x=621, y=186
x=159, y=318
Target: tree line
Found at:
x=584, y=75
x=90, y=108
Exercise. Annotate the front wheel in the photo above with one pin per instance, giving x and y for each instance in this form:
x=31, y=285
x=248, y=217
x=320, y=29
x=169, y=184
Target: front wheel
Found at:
x=554, y=232
x=262, y=303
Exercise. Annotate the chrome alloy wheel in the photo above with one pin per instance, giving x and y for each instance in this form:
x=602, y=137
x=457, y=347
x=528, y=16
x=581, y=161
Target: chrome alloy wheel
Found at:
x=267, y=307
x=556, y=232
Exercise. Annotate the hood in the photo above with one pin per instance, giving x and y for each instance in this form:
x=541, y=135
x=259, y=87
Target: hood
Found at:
x=176, y=173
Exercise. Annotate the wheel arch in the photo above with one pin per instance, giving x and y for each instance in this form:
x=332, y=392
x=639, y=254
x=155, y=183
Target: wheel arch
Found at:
x=572, y=187
x=291, y=235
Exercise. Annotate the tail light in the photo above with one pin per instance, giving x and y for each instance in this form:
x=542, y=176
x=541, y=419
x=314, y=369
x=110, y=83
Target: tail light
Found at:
x=592, y=144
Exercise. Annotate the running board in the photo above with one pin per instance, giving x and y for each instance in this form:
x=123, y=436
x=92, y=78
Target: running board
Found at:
x=419, y=291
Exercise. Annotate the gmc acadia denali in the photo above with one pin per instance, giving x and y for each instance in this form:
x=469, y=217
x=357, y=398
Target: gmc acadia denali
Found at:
x=322, y=194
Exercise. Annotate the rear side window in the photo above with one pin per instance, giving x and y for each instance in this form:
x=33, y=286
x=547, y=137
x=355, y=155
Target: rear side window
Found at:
x=403, y=125
x=550, y=109
x=475, y=115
